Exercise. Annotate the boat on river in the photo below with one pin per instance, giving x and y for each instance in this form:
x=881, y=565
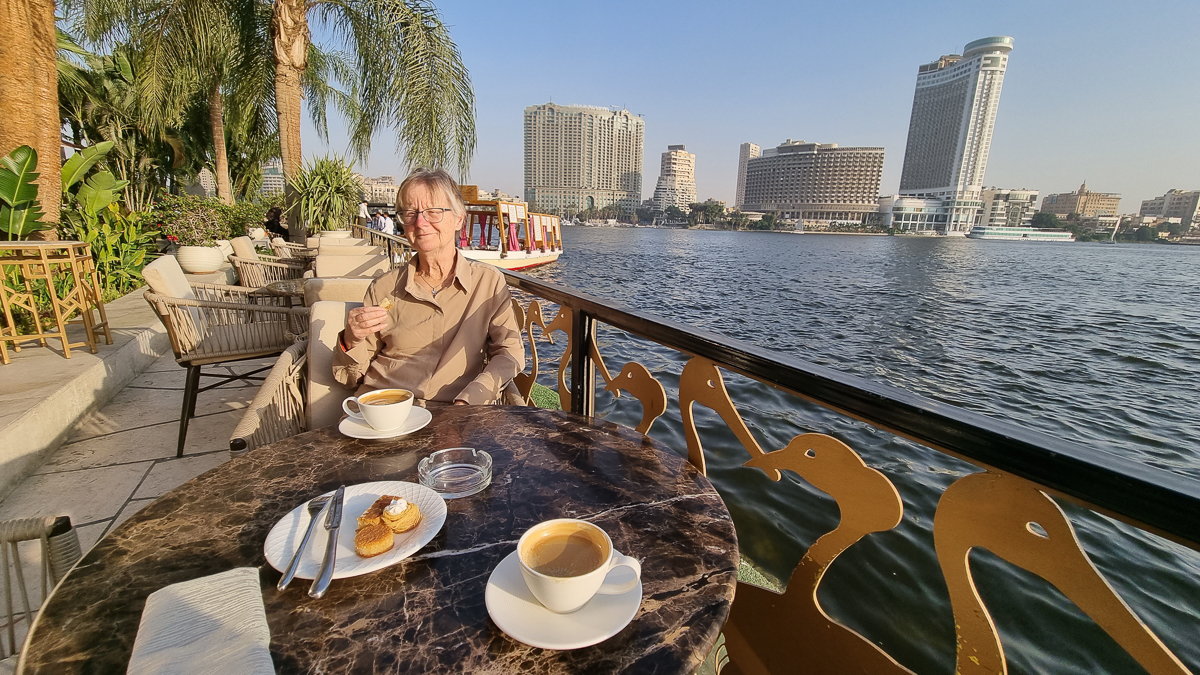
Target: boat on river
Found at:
x=1019, y=234
x=522, y=238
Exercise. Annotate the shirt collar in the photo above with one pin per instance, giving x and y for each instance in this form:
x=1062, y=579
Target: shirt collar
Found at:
x=461, y=275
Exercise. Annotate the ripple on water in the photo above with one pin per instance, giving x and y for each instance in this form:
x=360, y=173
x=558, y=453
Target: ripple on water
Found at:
x=1097, y=344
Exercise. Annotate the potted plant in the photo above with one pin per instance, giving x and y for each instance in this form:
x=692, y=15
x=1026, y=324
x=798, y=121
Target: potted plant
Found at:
x=329, y=194
x=194, y=227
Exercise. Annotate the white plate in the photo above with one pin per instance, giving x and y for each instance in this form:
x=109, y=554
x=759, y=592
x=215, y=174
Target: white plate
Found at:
x=287, y=533
x=523, y=618
x=356, y=428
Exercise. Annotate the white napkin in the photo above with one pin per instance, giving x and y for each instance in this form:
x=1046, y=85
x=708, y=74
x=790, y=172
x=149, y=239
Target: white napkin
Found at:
x=215, y=624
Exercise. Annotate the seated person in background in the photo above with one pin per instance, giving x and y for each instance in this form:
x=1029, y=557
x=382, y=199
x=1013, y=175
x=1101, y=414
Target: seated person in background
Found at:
x=449, y=334
x=272, y=224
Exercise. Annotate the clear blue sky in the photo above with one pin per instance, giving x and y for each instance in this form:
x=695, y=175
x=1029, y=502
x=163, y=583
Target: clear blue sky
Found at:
x=1099, y=90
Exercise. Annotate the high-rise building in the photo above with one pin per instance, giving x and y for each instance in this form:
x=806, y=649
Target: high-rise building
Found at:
x=207, y=182
x=1084, y=202
x=676, y=179
x=1008, y=208
x=748, y=152
x=1181, y=204
x=950, y=131
x=817, y=182
x=580, y=157
x=379, y=192
x=272, y=177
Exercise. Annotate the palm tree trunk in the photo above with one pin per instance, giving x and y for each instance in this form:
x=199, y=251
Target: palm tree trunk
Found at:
x=29, y=93
x=290, y=37
x=216, y=117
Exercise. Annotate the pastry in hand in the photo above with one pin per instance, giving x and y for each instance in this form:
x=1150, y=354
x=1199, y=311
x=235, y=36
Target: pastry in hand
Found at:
x=400, y=515
x=373, y=539
x=373, y=514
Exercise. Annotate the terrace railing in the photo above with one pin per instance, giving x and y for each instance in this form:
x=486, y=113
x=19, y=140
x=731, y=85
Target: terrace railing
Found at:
x=1006, y=508
x=397, y=248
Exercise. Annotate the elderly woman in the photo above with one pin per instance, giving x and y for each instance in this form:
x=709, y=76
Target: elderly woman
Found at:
x=442, y=326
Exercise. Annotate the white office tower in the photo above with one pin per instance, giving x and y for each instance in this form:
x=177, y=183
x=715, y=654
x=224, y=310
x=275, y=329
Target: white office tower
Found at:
x=580, y=157
x=748, y=152
x=272, y=177
x=950, y=132
x=676, y=179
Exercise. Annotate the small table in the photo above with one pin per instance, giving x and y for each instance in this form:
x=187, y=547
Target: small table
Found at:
x=66, y=273
x=292, y=289
x=426, y=614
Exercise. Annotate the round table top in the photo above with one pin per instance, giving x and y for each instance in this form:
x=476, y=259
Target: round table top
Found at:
x=427, y=613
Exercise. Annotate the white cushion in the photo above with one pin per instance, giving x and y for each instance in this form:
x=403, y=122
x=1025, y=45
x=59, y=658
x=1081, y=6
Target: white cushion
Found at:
x=326, y=319
x=328, y=266
x=257, y=233
x=226, y=248
x=244, y=248
x=345, y=290
x=165, y=277
x=351, y=250
x=324, y=242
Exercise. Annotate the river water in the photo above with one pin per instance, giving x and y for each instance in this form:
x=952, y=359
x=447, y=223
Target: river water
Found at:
x=1099, y=344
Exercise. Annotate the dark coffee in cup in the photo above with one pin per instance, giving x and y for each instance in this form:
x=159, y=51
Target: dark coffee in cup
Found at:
x=385, y=397
x=565, y=552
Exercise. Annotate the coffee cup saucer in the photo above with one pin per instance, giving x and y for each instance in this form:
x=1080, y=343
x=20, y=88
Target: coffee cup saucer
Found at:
x=523, y=618
x=417, y=419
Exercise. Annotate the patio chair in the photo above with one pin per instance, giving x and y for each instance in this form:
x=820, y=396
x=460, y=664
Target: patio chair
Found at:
x=256, y=270
x=209, y=324
x=318, y=242
x=344, y=290
x=329, y=266
x=351, y=250
x=285, y=250
x=59, y=551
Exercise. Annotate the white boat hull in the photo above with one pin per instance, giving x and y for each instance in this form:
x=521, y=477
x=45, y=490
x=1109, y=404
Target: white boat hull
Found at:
x=515, y=260
x=1020, y=234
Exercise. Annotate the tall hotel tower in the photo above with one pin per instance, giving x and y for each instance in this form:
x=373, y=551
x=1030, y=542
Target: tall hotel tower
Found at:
x=580, y=157
x=950, y=133
x=676, y=179
x=748, y=152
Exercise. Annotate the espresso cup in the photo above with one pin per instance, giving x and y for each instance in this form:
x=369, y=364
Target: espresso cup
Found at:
x=382, y=409
x=565, y=563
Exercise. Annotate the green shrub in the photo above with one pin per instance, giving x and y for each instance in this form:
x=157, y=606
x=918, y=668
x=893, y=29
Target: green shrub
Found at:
x=188, y=220
x=329, y=194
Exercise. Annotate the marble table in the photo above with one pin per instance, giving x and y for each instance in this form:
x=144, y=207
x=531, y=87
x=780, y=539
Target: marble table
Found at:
x=426, y=614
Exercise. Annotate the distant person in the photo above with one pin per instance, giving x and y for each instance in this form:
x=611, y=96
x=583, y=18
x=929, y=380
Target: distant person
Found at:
x=389, y=225
x=272, y=224
x=362, y=212
x=377, y=221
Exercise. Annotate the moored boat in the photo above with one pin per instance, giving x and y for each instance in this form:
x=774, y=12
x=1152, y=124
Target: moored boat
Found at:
x=1019, y=234
x=523, y=239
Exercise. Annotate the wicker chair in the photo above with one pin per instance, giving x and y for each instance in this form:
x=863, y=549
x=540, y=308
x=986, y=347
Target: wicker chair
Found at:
x=210, y=324
x=59, y=552
x=285, y=250
x=256, y=270
x=350, y=266
x=277, y=411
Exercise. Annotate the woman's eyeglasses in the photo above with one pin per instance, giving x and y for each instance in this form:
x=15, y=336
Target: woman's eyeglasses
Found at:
x=432, y=216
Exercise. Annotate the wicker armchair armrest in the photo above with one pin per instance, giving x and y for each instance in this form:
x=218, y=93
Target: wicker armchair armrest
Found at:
x=271, y=261
x=277, y=411
x=236, y=294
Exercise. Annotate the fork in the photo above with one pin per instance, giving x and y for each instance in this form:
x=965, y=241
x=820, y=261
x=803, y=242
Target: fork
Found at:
x=314, y=508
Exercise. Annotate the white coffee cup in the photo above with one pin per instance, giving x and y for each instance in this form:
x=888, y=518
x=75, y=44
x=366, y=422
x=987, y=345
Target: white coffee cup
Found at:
x=382, y=409
x=565, y=562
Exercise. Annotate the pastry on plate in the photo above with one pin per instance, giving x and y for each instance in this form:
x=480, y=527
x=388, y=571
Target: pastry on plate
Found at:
x=400, y=515
x=373, y=514
x=373, y=539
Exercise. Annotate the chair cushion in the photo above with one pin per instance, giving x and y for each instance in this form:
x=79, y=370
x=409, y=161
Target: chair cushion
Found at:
x=328, y=266
x=344, y=290
x=341, y=241
x=165, y=277
x=226, y=247
x=244, y=248
x=326, y=319
x=257, y=233
x=351, y=250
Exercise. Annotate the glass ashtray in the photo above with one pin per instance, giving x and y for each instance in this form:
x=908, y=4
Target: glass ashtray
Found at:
x=456, y=472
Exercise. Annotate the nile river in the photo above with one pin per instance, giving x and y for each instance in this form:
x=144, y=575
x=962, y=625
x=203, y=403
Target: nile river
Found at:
x=1099, y=344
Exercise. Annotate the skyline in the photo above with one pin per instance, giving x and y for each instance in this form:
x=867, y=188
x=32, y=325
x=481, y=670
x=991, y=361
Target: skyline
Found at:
x=1091, y=92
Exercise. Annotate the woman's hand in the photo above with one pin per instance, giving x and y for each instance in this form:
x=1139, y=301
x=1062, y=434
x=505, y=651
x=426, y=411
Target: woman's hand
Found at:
x=363, y=322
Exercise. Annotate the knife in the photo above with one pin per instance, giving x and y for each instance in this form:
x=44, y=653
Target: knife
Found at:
x=333, y=523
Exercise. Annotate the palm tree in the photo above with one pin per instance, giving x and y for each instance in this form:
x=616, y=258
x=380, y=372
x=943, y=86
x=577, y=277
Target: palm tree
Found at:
x=29, y=91
x=408, y=75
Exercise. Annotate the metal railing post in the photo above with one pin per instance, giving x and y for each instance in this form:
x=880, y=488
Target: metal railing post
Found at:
x=583, y=370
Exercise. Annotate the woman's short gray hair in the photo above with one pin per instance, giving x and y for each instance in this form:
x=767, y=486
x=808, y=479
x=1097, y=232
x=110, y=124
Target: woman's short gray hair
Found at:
x=434, y=180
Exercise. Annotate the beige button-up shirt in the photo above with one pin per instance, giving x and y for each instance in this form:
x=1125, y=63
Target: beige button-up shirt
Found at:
x=463, y=344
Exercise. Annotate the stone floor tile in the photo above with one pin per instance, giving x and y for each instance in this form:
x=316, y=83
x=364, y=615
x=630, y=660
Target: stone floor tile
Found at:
x=205, y=434
x=169, y=474
x=134, y=408
x=86, y=496
x=167, y=379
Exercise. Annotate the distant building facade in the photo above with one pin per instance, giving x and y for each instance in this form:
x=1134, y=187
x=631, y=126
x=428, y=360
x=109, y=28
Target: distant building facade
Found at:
x=272, y=177
x=580, y=157
x=676, y=179
x=1181, y=204
x=1084, y=202
x=379, y=192
x=817, y=182
x=747, y=152
x=950, y=130
x=1008, y=208
x=913, y=215
x=207, y=182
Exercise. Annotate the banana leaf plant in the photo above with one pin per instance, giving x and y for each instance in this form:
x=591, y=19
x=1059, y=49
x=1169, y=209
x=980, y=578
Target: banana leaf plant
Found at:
x=19, y=207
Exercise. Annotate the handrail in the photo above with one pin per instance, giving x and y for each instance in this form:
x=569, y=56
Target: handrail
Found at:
x=1149, y=498
x=398, y=248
